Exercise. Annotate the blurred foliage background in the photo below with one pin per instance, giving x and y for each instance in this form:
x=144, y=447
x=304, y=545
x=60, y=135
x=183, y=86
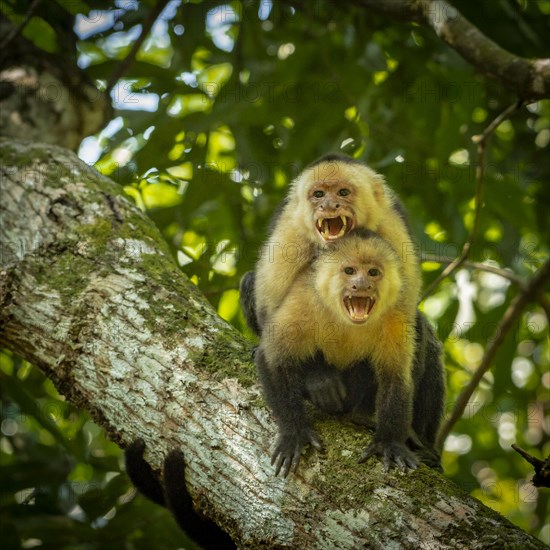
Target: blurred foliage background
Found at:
x=223, y=105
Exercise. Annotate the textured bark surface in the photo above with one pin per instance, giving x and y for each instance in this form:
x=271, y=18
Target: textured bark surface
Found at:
x=90, y=294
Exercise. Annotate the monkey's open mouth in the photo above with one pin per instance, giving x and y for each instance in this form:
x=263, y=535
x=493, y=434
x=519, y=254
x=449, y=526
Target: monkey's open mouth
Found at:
x=334, y=228
x=359, y=307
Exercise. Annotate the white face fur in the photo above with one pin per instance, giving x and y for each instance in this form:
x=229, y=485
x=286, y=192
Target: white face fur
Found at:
x=348, y=191
x=358, y=279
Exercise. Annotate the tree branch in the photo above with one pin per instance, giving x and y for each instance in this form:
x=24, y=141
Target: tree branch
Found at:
x=481, y=141
x=504, y=273
x=542, y=467
x=528, y=78
x=124, y=65
x=15, y=30
x=508, y=320
x=89, y=293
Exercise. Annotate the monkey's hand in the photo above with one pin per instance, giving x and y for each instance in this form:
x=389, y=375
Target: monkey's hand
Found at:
x=392, y=453
x=326, y=390
x=288, y=449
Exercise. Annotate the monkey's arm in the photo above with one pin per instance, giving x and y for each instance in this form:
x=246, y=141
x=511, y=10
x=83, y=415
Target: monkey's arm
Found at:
x=283, y=390
x=393, y=362
x=283, y=258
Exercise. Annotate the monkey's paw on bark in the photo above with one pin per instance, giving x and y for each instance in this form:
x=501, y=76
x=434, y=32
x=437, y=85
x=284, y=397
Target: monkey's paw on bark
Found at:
x=288, y=449
x=392, y=453
x=326, y=392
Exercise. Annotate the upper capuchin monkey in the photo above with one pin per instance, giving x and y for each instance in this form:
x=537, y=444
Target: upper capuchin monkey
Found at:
x=330, y=198
x=349, y=312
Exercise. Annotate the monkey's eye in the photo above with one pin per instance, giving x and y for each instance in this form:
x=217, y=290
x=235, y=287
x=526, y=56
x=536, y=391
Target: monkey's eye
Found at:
x=349, y=270
x=318, y=194
x=344, y=192
x=374, y=272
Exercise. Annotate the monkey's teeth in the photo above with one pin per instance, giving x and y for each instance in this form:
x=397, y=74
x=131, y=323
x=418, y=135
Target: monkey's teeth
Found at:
x=370, y=305
x=326, y=229
x=363, y=312
x=344, y=226
x=322, y=227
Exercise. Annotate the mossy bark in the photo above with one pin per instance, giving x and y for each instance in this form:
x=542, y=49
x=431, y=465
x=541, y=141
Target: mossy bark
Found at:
x=90, y=294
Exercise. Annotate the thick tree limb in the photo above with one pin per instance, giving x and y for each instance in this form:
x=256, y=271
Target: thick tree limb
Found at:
x=90, y=294
x=528, y=78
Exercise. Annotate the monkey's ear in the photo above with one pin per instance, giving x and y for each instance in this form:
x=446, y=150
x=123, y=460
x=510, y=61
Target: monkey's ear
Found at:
x=379, y=190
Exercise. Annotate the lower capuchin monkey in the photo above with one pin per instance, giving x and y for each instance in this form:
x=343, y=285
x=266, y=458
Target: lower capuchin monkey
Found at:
x=343, y=338
x=329, y=199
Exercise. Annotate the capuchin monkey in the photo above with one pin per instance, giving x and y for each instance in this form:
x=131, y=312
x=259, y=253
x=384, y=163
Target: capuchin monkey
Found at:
x=330, y=198
x=172, y=493
x=344, y=325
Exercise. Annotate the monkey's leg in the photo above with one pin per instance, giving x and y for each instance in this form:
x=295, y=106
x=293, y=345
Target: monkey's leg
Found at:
x=283, y=390
x=429, y=392
x=428, y=411
x=434, y=393
x=361, y=388
x=324, y=385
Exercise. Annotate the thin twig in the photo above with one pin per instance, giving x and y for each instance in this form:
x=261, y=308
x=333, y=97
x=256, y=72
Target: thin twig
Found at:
x=124, y=65
x=504, y=273
x=481, y=141
x=512, y=313
x=531, y=459
x=497, y=121
x=16, y=30
x=217, y=291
